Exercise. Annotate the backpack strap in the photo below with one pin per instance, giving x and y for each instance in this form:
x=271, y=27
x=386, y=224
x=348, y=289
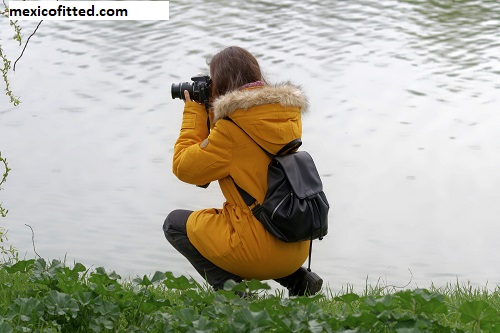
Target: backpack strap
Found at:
x=290, y=147
x=286, y=149
x=249, y=200
x=265, y=151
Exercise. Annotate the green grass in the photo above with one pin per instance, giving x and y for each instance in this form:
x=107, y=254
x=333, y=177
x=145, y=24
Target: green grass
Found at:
x=41, y=296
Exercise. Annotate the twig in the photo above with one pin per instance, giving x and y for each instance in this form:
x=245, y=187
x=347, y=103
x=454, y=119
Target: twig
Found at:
x=6, y=167
x=403, y=287
x=33, y=239
x=24, y=48
x=6, y=7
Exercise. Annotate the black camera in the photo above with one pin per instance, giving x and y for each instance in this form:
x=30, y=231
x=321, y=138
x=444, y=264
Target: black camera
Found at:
x=199, y=90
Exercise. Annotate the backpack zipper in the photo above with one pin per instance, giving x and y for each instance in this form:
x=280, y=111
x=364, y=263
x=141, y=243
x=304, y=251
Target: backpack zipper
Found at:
x=290, y=194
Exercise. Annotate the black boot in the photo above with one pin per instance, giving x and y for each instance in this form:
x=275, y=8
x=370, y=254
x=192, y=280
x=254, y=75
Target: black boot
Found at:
x=301, y=282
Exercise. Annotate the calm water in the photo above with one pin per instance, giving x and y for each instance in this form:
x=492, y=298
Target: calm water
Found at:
x=403, y=128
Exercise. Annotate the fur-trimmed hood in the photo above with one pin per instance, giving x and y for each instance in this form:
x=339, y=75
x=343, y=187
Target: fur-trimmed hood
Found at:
x=286, y=94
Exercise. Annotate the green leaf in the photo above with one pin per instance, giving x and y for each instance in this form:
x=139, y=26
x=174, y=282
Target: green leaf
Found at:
x=45, y=273
x=306, y=300
x=193, y=297
x=54, y=267
x=61, y=304
x=264, y=303
x=68, y=280
x=5, y=328
x=152, y=304
x=107, y=309
x=421, y=301
x=379, y=305
x=158, y=276
x=73, y=273
x=254, y=285
x=408, y=330
x=100, y=322
x=477, y=311
x=246, y=319
x=20, y=266
x=103, y=283
x=231, y=285
x=186, y=315
x=494, y=328
x=111, y=275
x=386, y=315
x=315, y=326
x=205, y=325
x=39, y=267
x=347, y=298
x=362, y=319
x=145, y=281
x=85, y=297
x=26, y=308
x=179, y=283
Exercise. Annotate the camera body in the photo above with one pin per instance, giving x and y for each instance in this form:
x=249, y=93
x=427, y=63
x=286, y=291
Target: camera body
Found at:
x=199, y=90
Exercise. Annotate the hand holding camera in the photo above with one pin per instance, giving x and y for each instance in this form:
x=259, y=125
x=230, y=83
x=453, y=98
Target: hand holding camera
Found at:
x=198, y=91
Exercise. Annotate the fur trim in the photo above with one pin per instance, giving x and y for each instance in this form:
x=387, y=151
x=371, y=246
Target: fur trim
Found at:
x=285, y=94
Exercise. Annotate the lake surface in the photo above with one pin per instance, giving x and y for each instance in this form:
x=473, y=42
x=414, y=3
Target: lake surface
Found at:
x=403, y=126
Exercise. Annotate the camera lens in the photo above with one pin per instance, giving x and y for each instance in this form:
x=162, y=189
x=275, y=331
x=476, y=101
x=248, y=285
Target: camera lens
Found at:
x=177, y=90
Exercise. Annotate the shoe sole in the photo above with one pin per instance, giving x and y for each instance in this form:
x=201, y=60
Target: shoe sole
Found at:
x=313, y=284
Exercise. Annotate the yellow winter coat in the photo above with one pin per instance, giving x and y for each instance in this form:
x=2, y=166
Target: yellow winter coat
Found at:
x=231, y=237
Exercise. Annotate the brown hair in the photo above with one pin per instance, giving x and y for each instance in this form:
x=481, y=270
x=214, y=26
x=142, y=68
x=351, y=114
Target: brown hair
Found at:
x=231, y=68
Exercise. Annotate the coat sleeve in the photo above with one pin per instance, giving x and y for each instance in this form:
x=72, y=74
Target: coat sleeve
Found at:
x=200, y=157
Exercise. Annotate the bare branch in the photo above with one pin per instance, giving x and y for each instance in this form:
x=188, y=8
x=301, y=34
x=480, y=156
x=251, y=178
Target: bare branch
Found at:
x=25, y=45
x=33, y=239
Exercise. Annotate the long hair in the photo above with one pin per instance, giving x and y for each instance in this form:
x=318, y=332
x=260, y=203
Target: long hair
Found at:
x=231, y=68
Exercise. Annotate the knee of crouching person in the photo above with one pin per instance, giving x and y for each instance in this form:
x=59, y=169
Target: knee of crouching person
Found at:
x=175, y=223
x=167, y=225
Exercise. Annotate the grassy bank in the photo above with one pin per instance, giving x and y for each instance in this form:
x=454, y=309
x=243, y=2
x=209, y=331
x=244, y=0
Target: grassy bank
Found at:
x=40, y=296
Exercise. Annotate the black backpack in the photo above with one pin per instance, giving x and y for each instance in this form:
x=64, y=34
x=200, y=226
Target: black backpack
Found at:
x=295, y=207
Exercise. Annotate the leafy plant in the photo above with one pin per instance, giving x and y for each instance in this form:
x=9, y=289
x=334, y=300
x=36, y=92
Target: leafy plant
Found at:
x=9, y=253
x=6, y=62
x=480, y=313
x=49, y=296
x=3, y=212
